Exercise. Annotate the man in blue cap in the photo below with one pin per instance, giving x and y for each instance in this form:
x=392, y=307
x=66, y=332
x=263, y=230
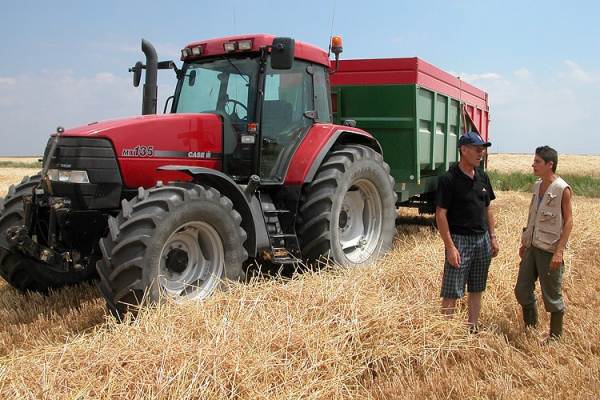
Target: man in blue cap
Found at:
x=466, y=224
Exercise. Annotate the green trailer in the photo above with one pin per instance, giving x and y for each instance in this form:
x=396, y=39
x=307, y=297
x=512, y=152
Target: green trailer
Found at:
x=416, y=111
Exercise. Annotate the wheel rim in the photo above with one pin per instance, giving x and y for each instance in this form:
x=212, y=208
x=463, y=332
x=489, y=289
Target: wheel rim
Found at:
x=360, y=221
x=191, y=262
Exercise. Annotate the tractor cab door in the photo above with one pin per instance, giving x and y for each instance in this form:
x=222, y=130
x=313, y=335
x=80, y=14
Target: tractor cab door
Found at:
x=290, y=99
x=234, y=107
x=226, y=87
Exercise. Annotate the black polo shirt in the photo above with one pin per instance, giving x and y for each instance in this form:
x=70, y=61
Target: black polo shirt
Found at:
x=465, y=199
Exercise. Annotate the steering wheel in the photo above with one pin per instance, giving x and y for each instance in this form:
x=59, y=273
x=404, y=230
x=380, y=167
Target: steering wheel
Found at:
x=235, y=104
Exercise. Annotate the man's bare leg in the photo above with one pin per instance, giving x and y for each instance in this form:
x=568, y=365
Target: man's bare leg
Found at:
x=474, y=302
x=448, y=307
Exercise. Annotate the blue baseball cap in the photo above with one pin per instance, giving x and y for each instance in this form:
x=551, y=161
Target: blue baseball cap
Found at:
x=472, y=139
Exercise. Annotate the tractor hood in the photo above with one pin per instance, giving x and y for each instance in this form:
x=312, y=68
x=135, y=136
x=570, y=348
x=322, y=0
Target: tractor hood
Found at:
x=168, y=135
x=145, y=143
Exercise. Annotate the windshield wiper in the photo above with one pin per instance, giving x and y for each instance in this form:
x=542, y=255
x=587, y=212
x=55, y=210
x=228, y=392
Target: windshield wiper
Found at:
x=237, y=69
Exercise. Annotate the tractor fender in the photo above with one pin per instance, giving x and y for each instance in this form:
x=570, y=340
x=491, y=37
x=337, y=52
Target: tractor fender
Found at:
x=315, y=146
x=246, y=204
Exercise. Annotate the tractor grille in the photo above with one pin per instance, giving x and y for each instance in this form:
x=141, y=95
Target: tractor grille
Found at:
x=97, y=157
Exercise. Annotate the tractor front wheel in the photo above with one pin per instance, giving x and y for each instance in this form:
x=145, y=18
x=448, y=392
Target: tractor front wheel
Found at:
x=179, y=241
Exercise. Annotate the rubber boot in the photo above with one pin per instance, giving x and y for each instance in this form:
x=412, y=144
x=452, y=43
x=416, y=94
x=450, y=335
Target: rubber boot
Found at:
x=530, y=316
x=556, y=324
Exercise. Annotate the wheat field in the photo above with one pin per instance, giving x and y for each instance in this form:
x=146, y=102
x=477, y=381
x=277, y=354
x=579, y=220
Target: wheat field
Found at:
x=588, y=165
x=369, y=333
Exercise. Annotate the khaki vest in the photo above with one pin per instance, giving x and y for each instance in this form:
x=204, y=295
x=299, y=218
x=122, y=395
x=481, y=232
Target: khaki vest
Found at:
x=545, y=222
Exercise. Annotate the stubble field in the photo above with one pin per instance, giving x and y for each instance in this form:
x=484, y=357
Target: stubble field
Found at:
x=374, y=332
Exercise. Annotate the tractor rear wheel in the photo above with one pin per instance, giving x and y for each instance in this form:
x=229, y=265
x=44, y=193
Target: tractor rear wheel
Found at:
x=178, y=241
x=348, y=212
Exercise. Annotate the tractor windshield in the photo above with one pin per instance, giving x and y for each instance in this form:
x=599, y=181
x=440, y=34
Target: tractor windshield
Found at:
x=225, y=86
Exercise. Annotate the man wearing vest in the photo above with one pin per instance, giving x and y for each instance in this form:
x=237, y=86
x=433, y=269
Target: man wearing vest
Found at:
x=466, y=224
x=543, y=243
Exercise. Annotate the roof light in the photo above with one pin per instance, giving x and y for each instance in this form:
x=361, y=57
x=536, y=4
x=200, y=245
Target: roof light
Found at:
x=245, y=44
x=230, y=46
x=192, y=52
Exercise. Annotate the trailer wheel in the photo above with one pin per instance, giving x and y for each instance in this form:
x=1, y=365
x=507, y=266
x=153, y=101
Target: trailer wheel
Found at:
x=18, y=270
x=348, y=212
x=178, y=241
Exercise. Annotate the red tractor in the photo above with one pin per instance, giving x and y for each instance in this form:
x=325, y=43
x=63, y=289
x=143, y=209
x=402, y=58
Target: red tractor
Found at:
x=245, y=168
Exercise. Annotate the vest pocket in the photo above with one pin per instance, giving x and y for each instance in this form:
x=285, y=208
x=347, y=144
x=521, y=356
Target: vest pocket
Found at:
x=546, y=238
x=548, y=217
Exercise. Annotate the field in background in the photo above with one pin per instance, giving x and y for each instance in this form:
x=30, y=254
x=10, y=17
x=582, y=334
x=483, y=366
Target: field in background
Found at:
x=374, y=332
x=567, y=164
x=24, y=160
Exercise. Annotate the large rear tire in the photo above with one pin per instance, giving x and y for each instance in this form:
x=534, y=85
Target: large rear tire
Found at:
x=18, y=270
x=348, y=212
x=177, y=241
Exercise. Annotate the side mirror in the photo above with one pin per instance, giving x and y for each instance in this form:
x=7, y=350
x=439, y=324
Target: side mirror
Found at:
x=137, y=73
x=282, y=53
x=192, y=80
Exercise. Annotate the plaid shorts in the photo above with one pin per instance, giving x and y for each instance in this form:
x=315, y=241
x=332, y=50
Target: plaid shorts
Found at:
x=475, y=258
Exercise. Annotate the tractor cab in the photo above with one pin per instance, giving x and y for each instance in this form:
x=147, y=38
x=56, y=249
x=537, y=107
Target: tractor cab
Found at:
x=268, y=92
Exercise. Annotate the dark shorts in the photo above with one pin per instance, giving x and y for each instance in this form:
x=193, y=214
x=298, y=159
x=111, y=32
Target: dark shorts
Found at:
x=475, y=258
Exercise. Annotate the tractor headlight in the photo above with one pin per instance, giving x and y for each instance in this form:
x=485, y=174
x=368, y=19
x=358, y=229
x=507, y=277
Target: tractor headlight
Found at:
x=61, y=175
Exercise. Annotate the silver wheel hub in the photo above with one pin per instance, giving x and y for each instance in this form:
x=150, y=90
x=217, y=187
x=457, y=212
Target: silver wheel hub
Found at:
x=192, y=262
x=360, y=222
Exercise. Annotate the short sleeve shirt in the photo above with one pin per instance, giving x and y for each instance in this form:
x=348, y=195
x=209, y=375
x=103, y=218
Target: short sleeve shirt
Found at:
x=466, y=200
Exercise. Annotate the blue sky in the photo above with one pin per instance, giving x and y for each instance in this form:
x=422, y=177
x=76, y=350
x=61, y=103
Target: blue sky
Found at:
x=66, y=62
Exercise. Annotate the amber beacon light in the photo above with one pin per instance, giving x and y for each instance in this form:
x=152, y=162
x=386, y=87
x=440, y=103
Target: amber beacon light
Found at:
x=336, y=45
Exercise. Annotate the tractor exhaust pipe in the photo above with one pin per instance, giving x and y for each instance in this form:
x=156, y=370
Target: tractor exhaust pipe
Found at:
x=150, y=96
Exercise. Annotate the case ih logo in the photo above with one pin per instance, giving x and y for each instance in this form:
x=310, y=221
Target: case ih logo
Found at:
x=199, y=154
